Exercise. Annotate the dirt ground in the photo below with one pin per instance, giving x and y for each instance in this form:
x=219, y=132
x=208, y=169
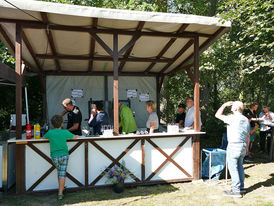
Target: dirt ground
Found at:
x=259, y=183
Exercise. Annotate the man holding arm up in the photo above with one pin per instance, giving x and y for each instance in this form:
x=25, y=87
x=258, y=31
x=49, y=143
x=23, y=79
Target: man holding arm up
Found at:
x=238, y=127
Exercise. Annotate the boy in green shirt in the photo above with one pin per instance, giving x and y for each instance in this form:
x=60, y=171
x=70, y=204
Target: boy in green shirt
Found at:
x=59, y=150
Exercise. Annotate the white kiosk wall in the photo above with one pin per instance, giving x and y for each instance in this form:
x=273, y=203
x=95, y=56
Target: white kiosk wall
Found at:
x=60, y=87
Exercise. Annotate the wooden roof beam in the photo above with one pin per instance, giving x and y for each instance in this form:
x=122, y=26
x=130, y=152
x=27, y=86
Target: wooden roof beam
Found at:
x=200, y=48
x=31, y=51
x=98, y=73
x=102, y=58
x=39, y=25
x=167, y=46
x=186, y=47
x=92, y=45
x=139, y=28
x=50, y=40
x=11, y=45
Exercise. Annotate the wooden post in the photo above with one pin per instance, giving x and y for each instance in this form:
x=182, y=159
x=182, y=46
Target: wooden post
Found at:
x=196, y=85
x=18, y=70
x=115, y=85
x=20, y=168
x=196, y=138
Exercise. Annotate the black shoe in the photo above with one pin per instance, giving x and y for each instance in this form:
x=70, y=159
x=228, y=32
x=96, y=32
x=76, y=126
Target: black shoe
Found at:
x=231, y=193
x=242, y=191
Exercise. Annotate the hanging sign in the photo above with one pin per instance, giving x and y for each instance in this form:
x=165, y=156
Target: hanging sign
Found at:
x=143, y=97
x=131, y=93
x=76, y=93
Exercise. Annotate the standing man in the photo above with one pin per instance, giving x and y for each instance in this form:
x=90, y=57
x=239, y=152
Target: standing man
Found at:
x=265, y=131
x=189, y=120
x=127, y=122
x=180, y=116
x=74, y=117
x=251, y=115
x=238, y=127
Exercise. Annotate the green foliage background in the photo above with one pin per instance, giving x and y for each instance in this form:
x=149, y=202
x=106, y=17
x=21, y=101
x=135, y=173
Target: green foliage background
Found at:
x=237, y=67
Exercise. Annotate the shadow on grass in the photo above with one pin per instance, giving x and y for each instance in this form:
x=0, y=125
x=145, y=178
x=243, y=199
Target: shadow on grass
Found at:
x=103, y=194
x=95, y=195
x=267, y=183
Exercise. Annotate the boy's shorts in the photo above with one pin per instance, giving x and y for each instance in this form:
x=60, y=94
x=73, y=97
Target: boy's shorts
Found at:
x=61, y=164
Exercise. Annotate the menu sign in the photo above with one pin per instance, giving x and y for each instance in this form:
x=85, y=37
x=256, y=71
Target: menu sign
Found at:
x=131, y=93
x=143, y=97
x=76, y=93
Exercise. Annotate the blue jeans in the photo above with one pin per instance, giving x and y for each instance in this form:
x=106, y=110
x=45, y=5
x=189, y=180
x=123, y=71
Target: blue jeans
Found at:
x=235, y=156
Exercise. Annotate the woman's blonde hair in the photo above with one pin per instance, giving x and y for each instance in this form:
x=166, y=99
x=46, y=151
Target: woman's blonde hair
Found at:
x=151, y=104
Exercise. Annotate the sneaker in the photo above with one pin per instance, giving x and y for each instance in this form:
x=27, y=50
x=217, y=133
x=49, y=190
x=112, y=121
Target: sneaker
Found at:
x=231, y=193
x=60, y=197
x=243, y=191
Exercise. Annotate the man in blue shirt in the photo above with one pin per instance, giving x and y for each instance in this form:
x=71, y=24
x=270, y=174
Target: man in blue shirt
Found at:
x=238, y=127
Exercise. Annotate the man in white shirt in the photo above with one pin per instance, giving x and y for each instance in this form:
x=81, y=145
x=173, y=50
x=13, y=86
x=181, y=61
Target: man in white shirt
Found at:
x=265, y=131
x=189, y=119
x=238, y=127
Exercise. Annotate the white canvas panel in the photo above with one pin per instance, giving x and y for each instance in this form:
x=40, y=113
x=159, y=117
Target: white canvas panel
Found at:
x=69, y=20
x=135, y=66
x=149, y=46
x=102, y=66
x=117, y=24
x=12, y=13
x=204, y=29
x=72, y=43
x=48, y=65
x=59, y=88
x=130, y=15
x=187, y=53
x=143, y=85
x=158, y=67
x=176, y=47
x=76, y=165
x=98, y=162
x=38, y=41
x=74, y=65
x=108, y=40
x=161, y=27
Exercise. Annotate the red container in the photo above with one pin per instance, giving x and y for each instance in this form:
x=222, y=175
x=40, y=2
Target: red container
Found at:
x=28, y=131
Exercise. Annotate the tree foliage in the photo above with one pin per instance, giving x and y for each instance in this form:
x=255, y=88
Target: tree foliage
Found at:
x=238, y=66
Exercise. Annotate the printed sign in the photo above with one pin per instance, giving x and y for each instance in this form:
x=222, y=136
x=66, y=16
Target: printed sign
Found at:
x=131, y=93
x=143, y=97
x=76, y=93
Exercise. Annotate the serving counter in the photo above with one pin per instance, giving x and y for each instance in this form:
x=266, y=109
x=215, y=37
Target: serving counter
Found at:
x=150, y=159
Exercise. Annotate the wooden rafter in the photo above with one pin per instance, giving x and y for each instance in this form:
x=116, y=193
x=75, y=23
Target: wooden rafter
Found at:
x=98, y=73
x=92, y=45
x=186, y=47
x=39, y=25
x=200, y=49
x=102, y=58
x=12, y=47
x=50, y=40
x=139, y=28
x=167, y=46
x=31, y=51
x=186, y=67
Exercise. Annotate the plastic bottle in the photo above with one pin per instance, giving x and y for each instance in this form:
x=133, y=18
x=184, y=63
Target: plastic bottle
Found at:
x=37, y=131
x=28, y=131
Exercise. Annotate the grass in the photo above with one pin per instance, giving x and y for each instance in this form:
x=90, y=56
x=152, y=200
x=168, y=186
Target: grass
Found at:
x=259, y=183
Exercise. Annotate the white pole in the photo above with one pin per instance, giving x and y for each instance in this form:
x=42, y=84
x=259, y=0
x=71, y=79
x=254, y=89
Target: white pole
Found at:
x=27, y=105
